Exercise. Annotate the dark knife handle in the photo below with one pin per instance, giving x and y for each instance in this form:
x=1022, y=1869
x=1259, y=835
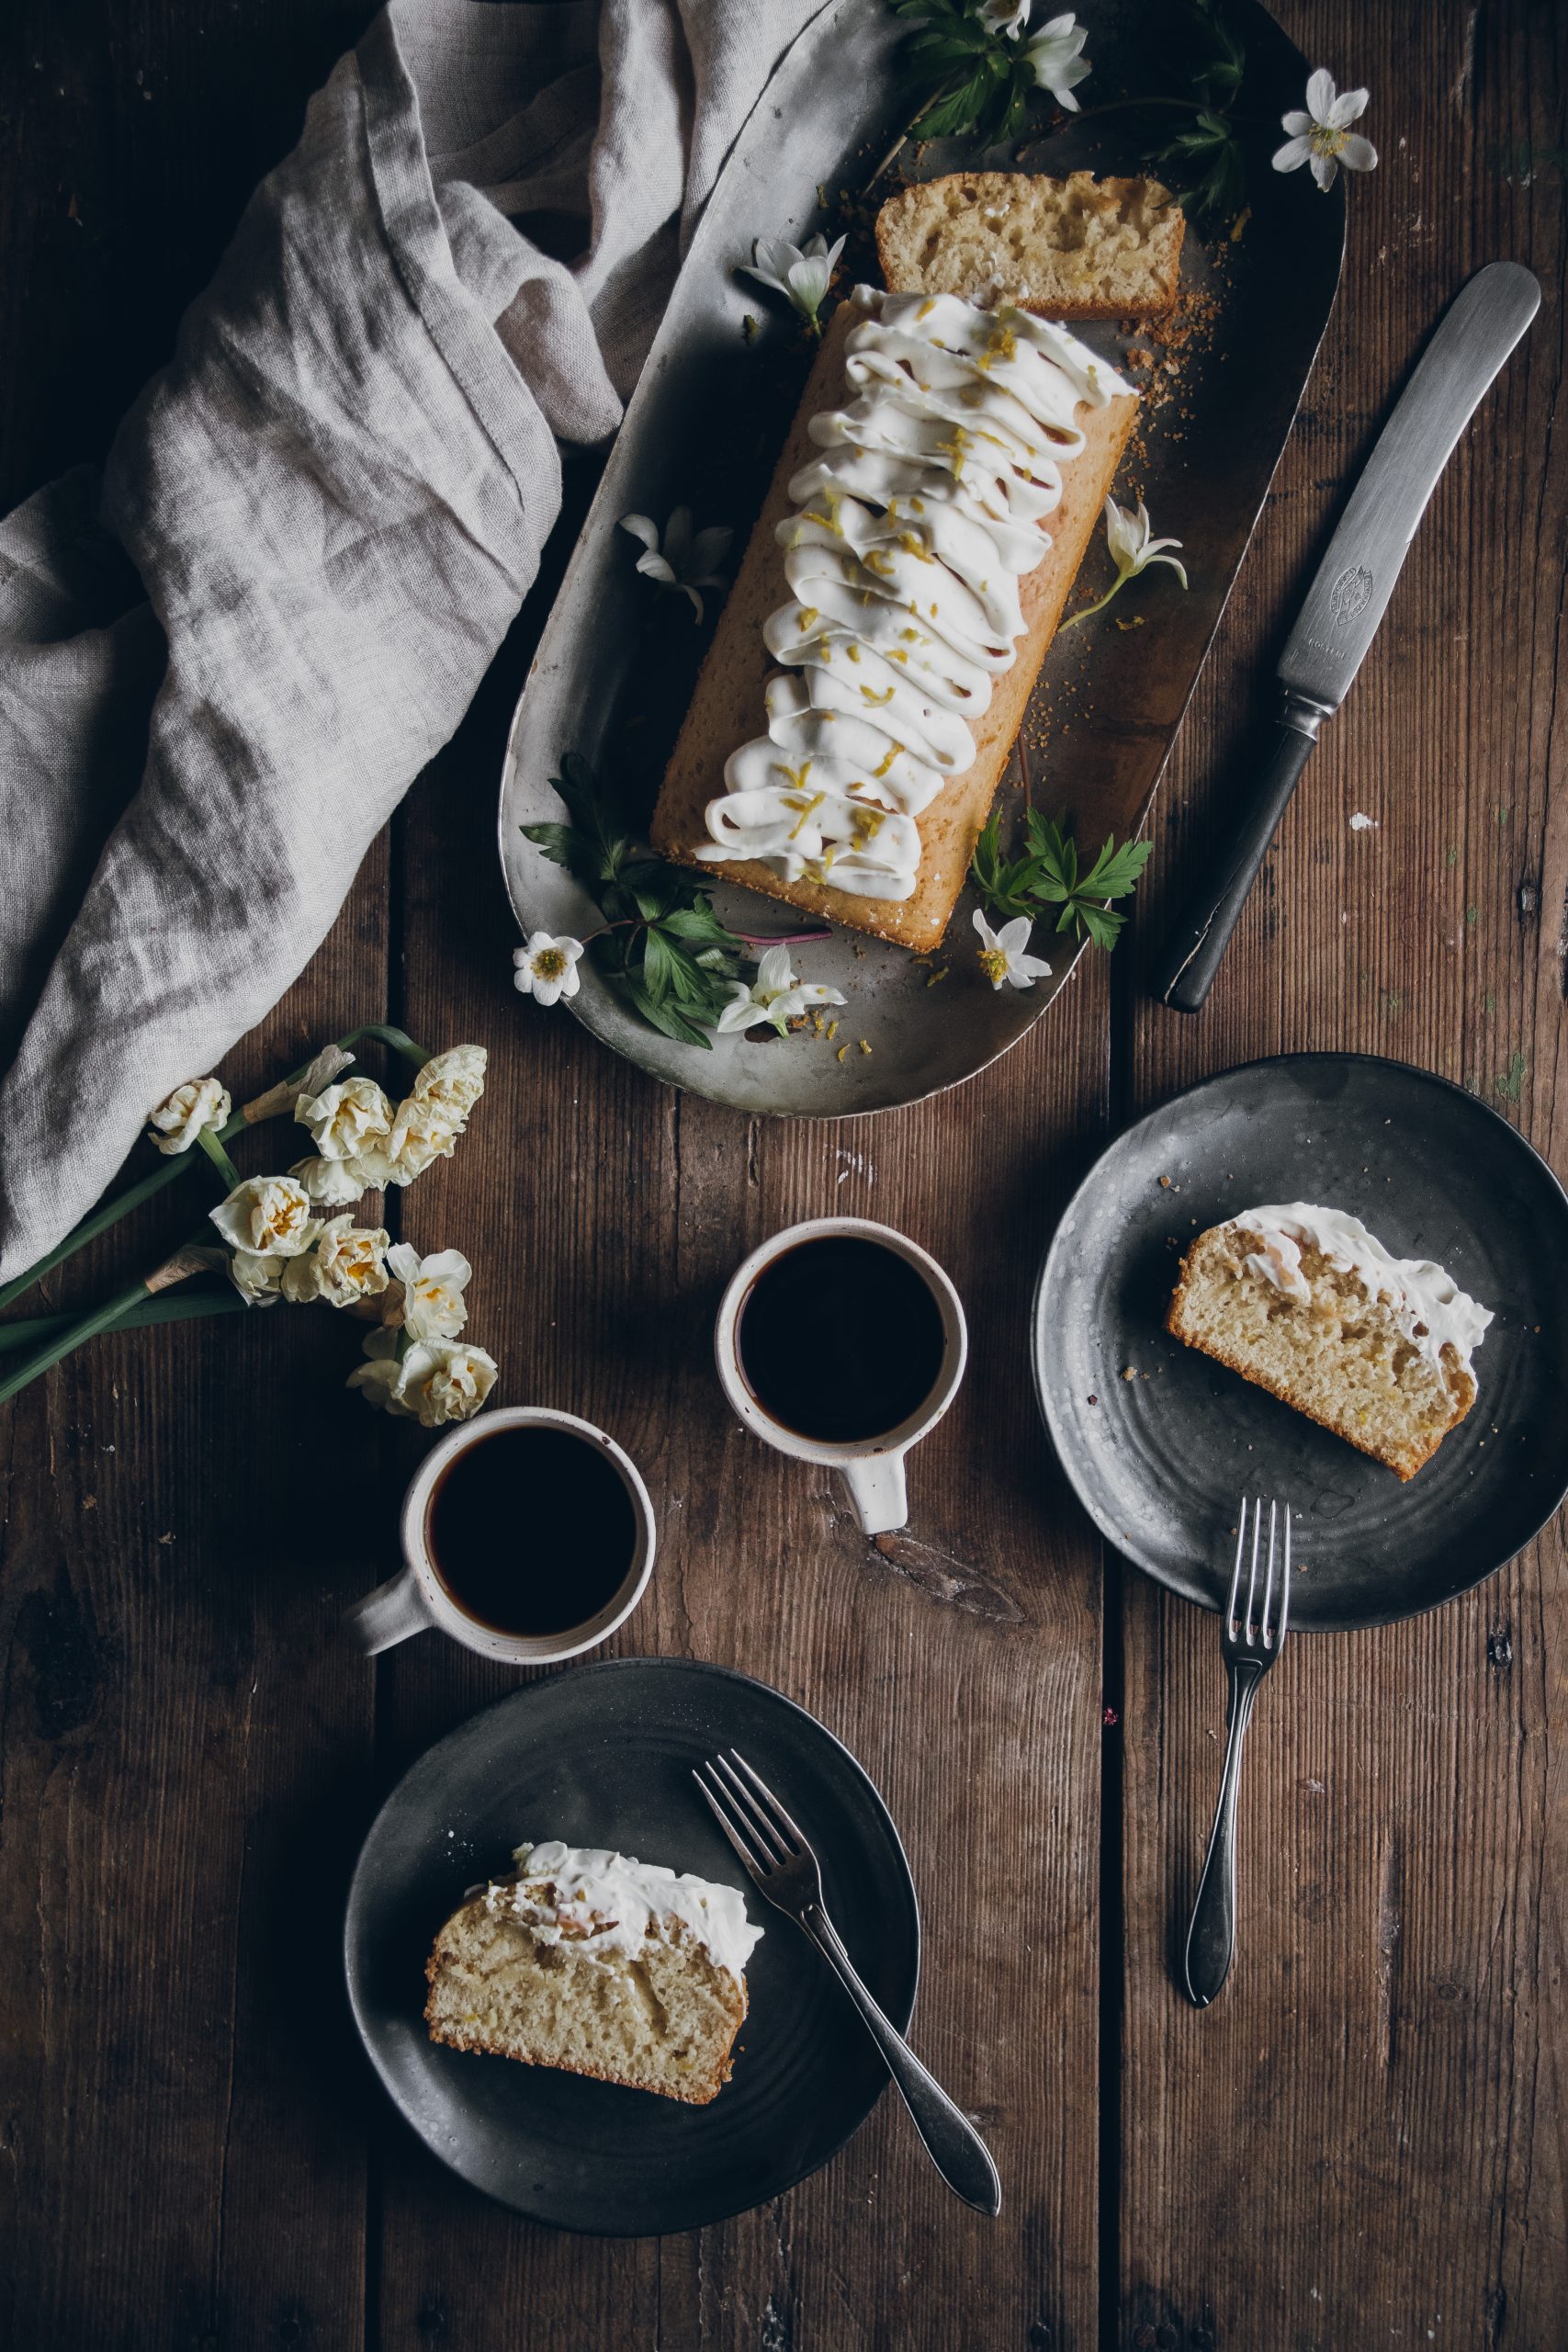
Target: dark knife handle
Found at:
x=1186, y=972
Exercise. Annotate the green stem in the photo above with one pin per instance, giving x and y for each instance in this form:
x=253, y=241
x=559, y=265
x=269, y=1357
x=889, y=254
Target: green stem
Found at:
x=170, y=1170
x=169, y=1306
x=77, y=1329
x=219, y=1157
x=1089, y=611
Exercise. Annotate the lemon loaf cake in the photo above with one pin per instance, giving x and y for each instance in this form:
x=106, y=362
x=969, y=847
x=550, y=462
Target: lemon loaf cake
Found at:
x=1309, y=1305
x=946, y=471
x=599, y=1964
x=1078, y=248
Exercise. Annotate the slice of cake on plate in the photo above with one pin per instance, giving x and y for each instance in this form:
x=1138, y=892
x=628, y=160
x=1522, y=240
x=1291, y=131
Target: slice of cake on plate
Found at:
x=1305, y=1302
x=599, y=1964
x=1078, y=248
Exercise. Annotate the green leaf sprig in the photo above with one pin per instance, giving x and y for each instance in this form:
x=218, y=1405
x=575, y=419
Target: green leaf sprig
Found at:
x=662, y=946
x=964, y=74
x=1048, y=879
x=1207, y=154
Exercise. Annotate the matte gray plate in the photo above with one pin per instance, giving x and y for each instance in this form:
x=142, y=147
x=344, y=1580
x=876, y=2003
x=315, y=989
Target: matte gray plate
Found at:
x=1161, y=1442
x=603, y=1756
x=618, y=661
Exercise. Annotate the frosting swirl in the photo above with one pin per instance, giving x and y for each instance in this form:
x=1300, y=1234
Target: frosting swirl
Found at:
x=902, y=558
x=1432, y=1310
x=609, y=1901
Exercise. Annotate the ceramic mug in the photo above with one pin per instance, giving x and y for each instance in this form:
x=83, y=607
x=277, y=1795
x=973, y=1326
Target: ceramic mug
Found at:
x=416, y=1598
x=872, y=1469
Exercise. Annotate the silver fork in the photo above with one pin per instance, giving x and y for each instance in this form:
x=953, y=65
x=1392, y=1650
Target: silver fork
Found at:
x=780, y=1864
x=1252, y=1637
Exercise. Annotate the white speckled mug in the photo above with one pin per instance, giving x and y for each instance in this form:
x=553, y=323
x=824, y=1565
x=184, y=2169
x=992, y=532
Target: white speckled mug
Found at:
x=872, y=1469
x=416, y=1597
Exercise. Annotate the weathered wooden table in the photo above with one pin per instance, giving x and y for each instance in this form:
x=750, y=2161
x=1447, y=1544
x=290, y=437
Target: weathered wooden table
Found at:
x=1361, y=2144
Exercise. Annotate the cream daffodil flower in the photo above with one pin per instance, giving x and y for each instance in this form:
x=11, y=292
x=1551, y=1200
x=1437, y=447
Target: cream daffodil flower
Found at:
x=258, y=1280
x=452, y=1082
x=775, y=997
x=347, y=1119
x=1003, y=956
x=331, y=1183
x=349, y=1263
x=1322, y=136
x=1056, y=54
x=176, y=1123
x=267, y=1216
x=546, y=967
x=433, y=1307
x=802, y=274
x=685, y=560
x=433, y=1382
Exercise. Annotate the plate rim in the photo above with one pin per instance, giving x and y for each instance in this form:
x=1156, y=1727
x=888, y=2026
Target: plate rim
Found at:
x=900, y=2013
x=1042, y=1398
x=705, y=1078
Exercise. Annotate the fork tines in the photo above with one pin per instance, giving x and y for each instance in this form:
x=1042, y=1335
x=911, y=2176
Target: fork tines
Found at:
x=751, y=1816
x=1265, y=1628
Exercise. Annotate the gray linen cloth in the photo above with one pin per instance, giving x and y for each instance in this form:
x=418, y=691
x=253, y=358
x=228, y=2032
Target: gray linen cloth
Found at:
x=221, y=666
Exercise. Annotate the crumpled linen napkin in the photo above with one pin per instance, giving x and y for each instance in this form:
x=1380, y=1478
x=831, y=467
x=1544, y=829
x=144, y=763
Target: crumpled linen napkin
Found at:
x=332, y=501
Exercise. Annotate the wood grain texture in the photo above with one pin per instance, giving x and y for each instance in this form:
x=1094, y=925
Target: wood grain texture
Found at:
x=1359, y=2143
x=1362, y=2142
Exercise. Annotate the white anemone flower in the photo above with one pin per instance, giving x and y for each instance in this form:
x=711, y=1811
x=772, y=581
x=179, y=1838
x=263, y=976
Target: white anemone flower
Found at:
x=1322, y=137
x=546, y=967
x=433, y=1307
x=775, y=998
x=1003, y=959
x=686, y=560
x=800, y=273
x=1127, y=535
x=1008, y=17
x=1055, y=53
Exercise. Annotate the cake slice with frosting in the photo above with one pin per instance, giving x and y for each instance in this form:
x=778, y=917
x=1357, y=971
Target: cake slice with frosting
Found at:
x=1305, y=1302
x=599, y=1964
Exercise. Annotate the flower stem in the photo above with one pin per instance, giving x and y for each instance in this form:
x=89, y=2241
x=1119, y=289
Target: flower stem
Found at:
x=1089, y=611
x=77, y=1329
x=219, y=1157
x=183, y=1307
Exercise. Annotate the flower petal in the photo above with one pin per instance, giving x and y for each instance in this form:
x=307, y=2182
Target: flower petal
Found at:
x=774, y=973
x=1013, y=936
x=643, y=527
x=1359, y=154
x=1293, y=154
x=988, y=939
x=709, y=548
x=1179, y=568
x=1296, y=123
x=1347, y=106
x=1320, y=95
x=1323, y=168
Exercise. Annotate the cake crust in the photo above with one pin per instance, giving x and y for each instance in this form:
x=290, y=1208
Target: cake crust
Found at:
x=727, y=707
x=1404, y=1454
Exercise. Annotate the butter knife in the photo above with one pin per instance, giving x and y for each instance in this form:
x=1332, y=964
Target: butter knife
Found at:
x=1349, y=595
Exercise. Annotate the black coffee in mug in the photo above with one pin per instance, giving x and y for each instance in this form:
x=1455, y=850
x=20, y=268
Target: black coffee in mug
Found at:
x=841, y=1338
x=531, y=1529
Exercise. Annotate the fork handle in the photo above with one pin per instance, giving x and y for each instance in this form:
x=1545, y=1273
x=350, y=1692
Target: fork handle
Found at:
x=952, y=2142
x=1211, y=1939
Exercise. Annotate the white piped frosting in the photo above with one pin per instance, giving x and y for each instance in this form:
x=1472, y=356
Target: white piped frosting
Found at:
x=1429, y=1307
x=607, y=1902
x=903, y=558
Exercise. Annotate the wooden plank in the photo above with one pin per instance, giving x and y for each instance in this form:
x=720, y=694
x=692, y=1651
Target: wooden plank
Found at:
x=1357, y=2145
x=172, y=1706
x=603, y=1215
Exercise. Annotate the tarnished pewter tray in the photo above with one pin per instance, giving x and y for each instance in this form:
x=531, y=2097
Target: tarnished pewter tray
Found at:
x=618, y=661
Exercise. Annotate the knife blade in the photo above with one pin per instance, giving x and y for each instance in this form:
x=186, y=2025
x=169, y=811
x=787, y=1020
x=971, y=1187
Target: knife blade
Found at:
x=1350, y=591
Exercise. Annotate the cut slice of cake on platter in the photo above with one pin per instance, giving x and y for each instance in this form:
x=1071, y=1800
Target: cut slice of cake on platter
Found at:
x=1305, y=1302
x=598, y=1964
x=1074, y=248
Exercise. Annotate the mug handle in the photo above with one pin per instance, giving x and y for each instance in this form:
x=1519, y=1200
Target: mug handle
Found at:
x=390, y=1613
x=877, y=1490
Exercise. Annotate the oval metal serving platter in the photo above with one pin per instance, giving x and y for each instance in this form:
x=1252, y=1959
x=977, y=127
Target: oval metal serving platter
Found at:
x=618, y=658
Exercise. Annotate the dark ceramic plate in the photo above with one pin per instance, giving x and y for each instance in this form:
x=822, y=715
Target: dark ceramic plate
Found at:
x=1161, y=1458
x=617, y=663
x=603, y=1756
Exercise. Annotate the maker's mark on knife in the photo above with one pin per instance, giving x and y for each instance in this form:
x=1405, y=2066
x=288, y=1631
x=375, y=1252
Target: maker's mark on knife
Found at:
x=1351, y=589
